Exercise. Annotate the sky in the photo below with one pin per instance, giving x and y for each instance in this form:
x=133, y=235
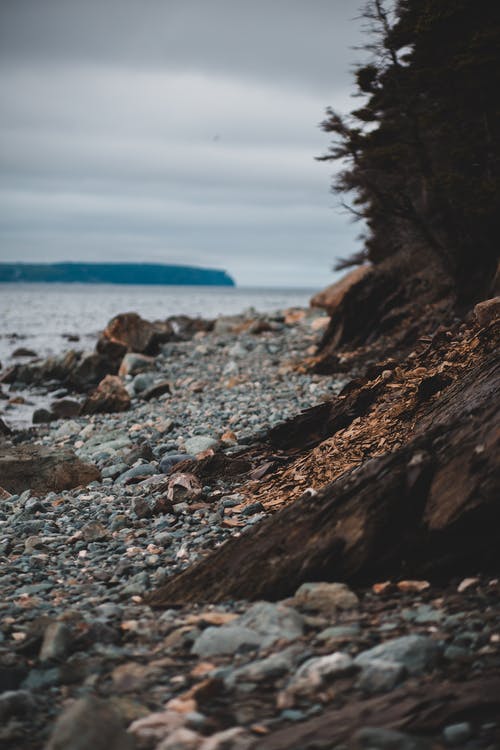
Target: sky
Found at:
x=175, y=131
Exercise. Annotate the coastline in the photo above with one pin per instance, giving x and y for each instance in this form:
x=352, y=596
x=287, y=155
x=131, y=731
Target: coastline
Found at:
x=109, y=596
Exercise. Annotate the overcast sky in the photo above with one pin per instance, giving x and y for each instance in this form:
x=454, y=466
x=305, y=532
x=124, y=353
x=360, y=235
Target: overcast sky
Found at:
x=175, y=131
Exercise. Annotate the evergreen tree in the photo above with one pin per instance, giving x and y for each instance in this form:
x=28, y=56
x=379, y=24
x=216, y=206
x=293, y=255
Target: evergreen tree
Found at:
x=422, y=154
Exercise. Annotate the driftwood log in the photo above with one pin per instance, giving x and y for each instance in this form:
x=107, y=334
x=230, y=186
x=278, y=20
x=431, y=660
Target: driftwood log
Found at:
x=429, y=508
x=421, y=711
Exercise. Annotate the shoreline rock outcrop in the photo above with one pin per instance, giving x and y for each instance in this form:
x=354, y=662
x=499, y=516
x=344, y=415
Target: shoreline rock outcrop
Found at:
x=42, y=469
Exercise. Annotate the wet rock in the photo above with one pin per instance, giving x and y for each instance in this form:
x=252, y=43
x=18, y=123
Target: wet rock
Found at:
x=41, y=416
x=43, y=469
x=417, y=653
x=89, y=723
x=326, y=598
x=23, y=352
x=109, y=396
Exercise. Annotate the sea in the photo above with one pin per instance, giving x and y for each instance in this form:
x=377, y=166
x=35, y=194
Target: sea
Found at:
x=41, y=317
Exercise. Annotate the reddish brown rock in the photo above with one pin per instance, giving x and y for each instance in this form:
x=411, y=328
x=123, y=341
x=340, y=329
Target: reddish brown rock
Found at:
x=331, y=297
x=184, y=488
x=109, y=396
x=65, y=408
x=134, y=334
x=487, y=311
x=41, y=469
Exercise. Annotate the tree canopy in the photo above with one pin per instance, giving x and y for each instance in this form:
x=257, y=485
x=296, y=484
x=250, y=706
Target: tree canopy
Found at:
x=420, y=156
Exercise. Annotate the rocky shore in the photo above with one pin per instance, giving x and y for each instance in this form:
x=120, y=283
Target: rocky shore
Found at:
x=175, y=571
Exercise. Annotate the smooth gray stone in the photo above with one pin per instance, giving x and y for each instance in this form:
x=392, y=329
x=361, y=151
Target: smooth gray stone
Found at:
x=227, y=639
x=416, y=652
x=380, y=676
x=457, y=734
x=273, y=622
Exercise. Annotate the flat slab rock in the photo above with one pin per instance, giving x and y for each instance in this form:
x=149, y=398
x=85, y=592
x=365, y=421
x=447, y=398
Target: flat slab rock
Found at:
x=41, y=469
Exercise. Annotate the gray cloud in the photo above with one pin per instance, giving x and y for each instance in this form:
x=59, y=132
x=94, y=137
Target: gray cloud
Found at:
x=174, y=131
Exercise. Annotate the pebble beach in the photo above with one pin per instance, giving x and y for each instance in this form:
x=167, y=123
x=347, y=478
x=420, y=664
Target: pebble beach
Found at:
x=80, y=648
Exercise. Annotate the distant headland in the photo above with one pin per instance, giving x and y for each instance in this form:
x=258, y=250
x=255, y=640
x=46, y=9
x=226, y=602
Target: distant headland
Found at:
x=114, y=273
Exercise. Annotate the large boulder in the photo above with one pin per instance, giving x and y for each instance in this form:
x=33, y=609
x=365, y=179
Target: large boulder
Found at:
x=128, y=332
x=109, y=396
x=81, y=370
x=331, y=297
x=52, y=368
x=41, y=469
x=90, y=369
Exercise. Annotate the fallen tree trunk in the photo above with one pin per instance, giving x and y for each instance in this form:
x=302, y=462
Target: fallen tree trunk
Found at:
x=421, y=711
x=430, y=507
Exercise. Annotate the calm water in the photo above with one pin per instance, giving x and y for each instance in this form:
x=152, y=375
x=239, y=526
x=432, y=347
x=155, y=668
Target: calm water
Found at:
x=42, y=313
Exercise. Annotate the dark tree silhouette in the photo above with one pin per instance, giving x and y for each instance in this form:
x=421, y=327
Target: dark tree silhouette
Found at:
x=421, y=155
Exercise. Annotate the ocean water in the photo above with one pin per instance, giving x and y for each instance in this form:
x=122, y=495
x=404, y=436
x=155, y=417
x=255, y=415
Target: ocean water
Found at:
x=41, y=316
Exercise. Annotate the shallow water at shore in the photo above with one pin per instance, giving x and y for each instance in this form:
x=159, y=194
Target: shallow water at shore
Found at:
x=39, y=316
